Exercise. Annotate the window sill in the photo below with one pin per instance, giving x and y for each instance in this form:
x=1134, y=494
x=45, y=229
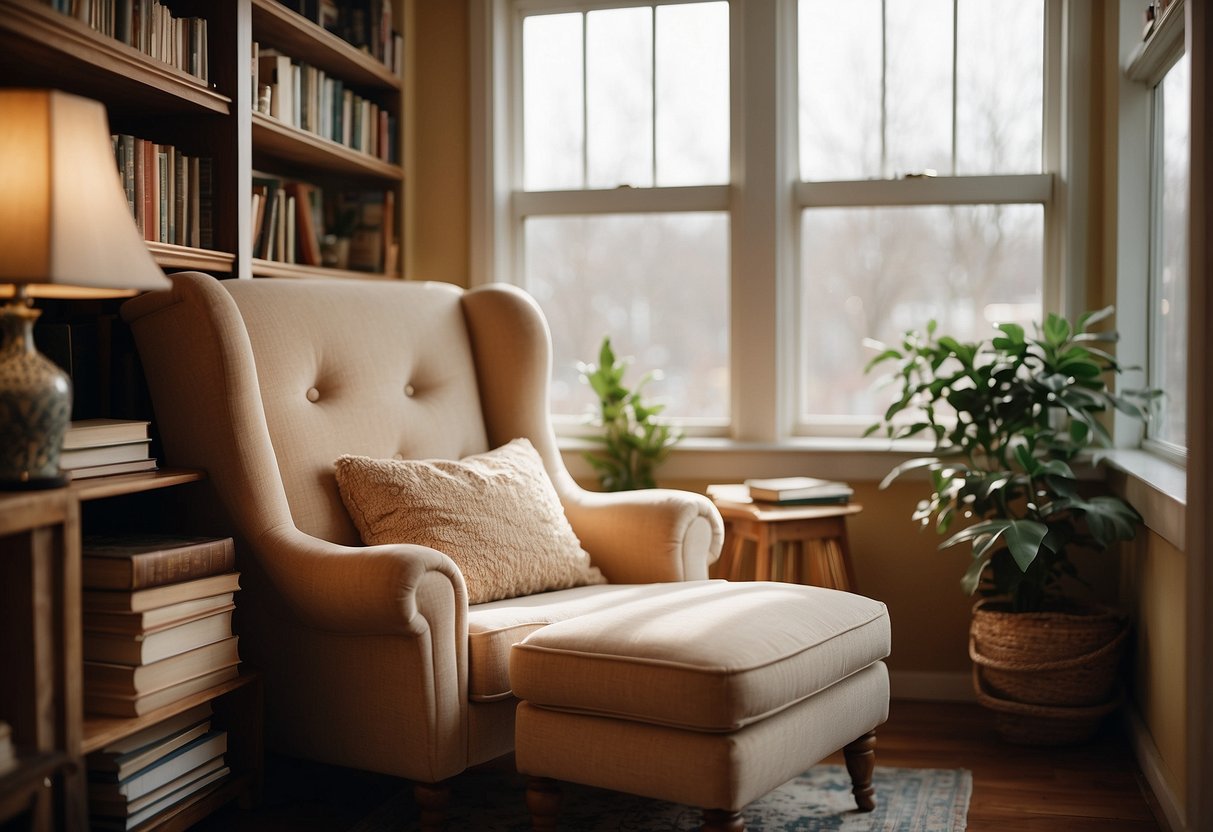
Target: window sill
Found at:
x=1157, y=488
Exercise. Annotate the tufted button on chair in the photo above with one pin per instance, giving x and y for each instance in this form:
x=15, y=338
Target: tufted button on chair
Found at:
x=372, y=657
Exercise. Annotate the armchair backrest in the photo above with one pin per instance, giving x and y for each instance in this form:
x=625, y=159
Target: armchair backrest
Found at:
x=264, y=383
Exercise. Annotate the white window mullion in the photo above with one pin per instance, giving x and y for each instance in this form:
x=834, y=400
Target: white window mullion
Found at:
x=1001, y=189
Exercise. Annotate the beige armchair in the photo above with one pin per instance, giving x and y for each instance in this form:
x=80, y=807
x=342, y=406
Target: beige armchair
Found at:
x=371, y=655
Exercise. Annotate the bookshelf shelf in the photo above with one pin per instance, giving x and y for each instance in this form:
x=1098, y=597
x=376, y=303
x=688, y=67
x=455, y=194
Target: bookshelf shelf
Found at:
x=169, y=256
x=119, y=485
x=21, y=785
x=289, y=144
x=36, y=41
x=276, y=25
x=272, y=268
x=100, y=731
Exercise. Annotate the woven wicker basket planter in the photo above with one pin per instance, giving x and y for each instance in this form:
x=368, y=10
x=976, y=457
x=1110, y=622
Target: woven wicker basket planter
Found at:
x=1050, y=676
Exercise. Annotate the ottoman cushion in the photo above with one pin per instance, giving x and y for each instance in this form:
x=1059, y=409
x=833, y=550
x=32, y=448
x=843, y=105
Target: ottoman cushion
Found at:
x=715, y=657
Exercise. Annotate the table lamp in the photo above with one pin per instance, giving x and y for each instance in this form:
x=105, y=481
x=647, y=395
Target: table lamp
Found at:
x=65, y=231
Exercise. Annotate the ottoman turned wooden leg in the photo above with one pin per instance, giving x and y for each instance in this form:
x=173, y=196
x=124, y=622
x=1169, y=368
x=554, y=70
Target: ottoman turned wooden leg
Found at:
x=718, y=820
x=861, y=762
x=543, y=801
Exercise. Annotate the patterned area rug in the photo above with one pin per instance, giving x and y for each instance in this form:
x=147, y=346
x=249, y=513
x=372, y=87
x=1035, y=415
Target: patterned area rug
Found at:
x=907, y=800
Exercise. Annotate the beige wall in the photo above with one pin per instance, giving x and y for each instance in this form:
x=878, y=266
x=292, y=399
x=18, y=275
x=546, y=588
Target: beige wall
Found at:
x=436, y=168
x=1154, y=587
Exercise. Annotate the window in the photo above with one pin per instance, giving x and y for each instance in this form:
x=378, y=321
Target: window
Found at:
x=932, y=114
x=625, y=129
x=741, y=194
x=1168, y=324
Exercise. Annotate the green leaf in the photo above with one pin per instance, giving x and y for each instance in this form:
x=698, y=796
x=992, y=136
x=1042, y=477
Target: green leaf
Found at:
x=908, y=465
x=1094, y=317
x=1023, y=538
x=881, y=358
x=972, y=576
x=1056, y=330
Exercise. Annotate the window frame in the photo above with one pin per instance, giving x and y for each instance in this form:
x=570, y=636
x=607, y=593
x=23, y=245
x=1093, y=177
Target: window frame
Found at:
x=1145, y=64
x=765, y=196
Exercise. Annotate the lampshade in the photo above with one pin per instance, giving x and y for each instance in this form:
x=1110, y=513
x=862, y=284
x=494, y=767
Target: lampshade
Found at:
x=64, y=218
x=64, y=226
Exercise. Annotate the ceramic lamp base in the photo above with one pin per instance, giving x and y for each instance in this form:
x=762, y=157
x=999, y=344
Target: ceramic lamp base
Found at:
x=35, y=405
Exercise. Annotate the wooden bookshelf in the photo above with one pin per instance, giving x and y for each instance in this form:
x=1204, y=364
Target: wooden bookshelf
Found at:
x=169, y=256
x=118, y=485
x=272, y=268
x=34, y=38
x=281, y=141
x=151, y=100
x=276, y=25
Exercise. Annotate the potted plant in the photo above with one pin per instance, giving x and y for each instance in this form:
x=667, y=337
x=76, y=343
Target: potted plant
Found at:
x=1010, y=416
x=633, y=442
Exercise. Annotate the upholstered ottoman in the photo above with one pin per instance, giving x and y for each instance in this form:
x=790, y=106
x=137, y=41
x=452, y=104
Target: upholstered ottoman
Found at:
x=710, y=697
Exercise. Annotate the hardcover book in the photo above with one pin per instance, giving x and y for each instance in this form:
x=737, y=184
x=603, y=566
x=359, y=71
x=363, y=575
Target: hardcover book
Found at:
x=141, y=600
x=146, y=560
x=127, y=680
x=145, y=649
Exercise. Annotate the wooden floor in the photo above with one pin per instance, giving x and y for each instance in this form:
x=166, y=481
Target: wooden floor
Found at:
x=1094, y=787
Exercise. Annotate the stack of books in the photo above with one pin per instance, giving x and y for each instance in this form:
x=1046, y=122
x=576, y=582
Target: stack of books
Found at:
x=155, y=769
x=100, y=447
x=798, y=491
x=157, y=620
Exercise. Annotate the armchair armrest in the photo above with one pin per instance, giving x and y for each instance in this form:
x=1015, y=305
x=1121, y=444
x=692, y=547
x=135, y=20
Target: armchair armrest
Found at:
x=373, y=590
x=647, y=536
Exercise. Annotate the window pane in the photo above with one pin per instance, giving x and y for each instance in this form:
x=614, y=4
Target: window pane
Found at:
x=552, y=101
x=840, y=78
x=619, y=92
x=656, y=283
x=1169, y=290
x=878, y=272
x=999, y=86
x=693, y=94
x=918, y=79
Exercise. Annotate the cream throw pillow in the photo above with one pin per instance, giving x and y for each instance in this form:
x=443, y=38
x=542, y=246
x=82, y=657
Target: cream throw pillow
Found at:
x=495, y=514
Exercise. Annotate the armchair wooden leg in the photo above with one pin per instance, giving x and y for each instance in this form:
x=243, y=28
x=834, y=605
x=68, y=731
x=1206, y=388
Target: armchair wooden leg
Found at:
x=433, y=799
x=543, y=801
x=718, y=820
x=861, y=762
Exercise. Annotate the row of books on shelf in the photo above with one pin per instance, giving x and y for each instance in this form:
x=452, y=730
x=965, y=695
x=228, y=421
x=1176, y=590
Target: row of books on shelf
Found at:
x=296, y=222
x=103, y=447
x=155, y=769
x=365, y=24
x=170, y=193
x=150, y=27
x=307, y=98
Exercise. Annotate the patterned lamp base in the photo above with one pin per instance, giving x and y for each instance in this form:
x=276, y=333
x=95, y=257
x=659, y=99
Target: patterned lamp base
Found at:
x=35, y=405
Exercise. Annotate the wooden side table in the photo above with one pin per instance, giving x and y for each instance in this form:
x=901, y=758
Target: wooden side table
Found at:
x=798, y=544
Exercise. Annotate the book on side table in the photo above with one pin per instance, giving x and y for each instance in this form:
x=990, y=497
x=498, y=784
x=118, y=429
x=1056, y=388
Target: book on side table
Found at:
x=798, y=491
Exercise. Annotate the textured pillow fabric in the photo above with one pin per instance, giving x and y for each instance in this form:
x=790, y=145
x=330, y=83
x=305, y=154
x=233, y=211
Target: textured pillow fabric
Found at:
x=495, y=514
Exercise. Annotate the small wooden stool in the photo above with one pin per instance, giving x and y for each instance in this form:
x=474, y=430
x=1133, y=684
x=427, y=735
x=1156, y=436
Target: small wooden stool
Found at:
x=796, y=544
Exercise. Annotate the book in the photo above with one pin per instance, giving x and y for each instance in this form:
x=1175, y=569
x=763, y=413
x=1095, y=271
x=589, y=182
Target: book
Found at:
x=128, y=451
x=116, y=705
x=171, y=794
x=784, y=489
x=140, y=600
x=138, y=751
x=133, y=623
x=178, y=762
x=91, y=471
x=86, y=433
x=146, y=560
x=119, y=807
x=147, y=648
x=125, y=680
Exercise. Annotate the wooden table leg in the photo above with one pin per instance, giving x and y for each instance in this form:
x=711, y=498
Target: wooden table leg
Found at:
x=763, y=554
